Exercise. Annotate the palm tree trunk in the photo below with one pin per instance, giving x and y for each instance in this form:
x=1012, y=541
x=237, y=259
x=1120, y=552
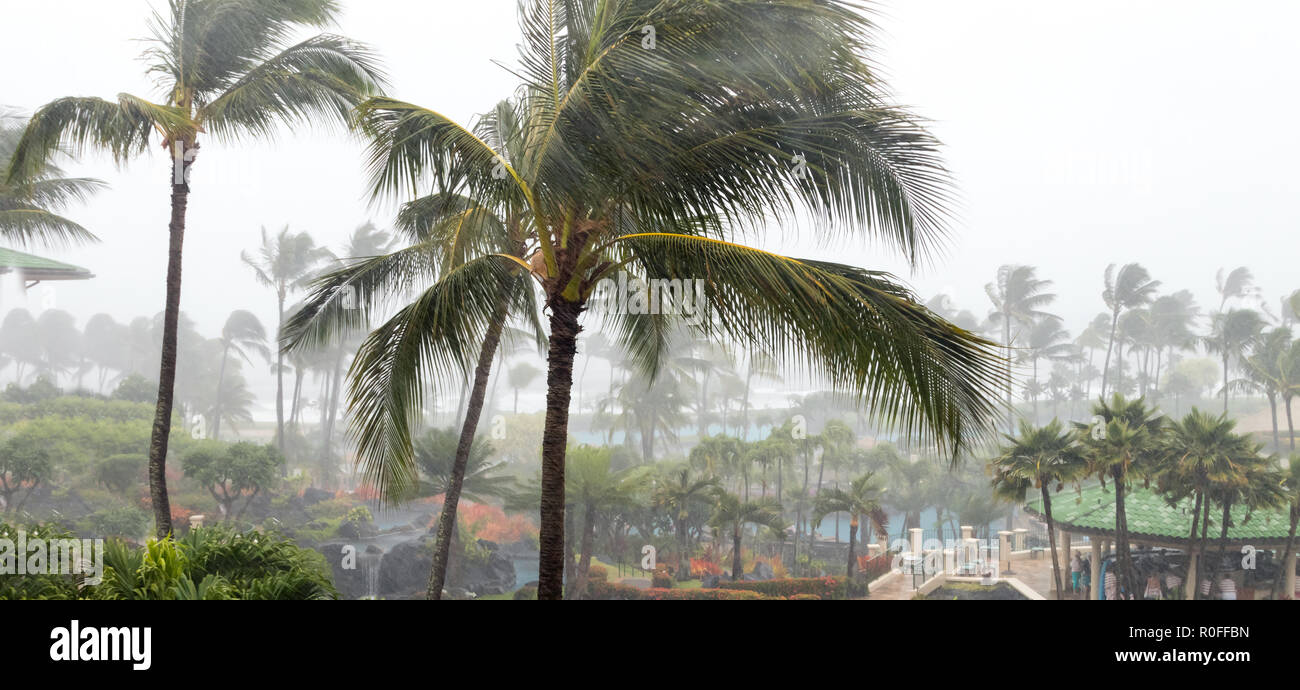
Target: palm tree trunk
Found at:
x=1290, y=426
x=1110, y=345
x=451, y=500
x=555, y=433
x=584, y=551
x=1051, y=540
x=279, y=386
x=1286, y=555
x=162, y=420
x=216, y=411
x=1200, y=551
x=737, y=566
x=1272, y=407
x=853, y=533
x=1196, y=519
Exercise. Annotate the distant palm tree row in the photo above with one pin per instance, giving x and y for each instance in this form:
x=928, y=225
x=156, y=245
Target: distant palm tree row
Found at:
x=1141, y=338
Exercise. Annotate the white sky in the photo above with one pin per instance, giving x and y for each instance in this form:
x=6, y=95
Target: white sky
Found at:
x=1080, y=134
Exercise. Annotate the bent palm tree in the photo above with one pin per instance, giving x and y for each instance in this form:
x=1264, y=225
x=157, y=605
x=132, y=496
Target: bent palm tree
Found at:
x=1040, y=457
x=648, y=155
x=732, y=512
x=30, y=204
x=1131, y=287
x=241, y=333
x=860, y=499
x=225, y=69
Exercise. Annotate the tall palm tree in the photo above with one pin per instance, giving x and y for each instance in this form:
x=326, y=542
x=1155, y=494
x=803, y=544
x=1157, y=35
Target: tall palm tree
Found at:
x=596, y=488
x=1173, y=318
x=1040, y=457
x=31, y=203
x=284, y=263
x=1125, y=450
x=1199, y=452
x=1018, y=298
x=649, y=159
x=242, y=333
x=224, y=68
x=1130, y=288
x=861, y=499
x=731, y=512
x=1264, y=370
x=1047, y=339
x=676, y=494
x=416, y=349
x=1232, y=333
x=521, y=376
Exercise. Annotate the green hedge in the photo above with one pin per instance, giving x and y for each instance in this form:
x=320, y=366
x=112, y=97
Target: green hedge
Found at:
x=822, y=587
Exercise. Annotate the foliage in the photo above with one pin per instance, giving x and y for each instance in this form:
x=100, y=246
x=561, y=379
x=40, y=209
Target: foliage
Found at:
x=824, y=587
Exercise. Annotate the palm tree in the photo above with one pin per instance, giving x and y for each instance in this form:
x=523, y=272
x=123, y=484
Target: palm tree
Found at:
x=30, y=204
x=431, y=339
x=1239, y=283
x=435, y=456
x=676, y=495
x=1018, y=298
x=1265, y=371
x=1172, y=319
x=593, y=486
x=650, y=165
x=1231, y=334
x=224, y=69
x=731, y=512
x=1125, y=450
x=1040, y=457
x=521, y=376
x=1132, y=287
x=1291, y=488
x=1200, y=452
x=861, y=499
x=283, y=263
x=1048, y=340
x=242, y=333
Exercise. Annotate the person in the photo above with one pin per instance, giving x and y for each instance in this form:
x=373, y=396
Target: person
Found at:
x=1152, y=592
x=1205, y=588
x=1227, y=588
x=1112, y=585
x=1076, y=567
x=1085, y=577
x=1172, y=585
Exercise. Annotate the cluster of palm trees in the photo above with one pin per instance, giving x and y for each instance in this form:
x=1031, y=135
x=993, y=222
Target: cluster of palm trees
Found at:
x=1198, y=458
x=1138, y=343
x=612, y=157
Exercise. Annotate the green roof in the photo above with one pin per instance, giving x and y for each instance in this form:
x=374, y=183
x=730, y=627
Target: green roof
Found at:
x=1093, y=510
x=33, y=267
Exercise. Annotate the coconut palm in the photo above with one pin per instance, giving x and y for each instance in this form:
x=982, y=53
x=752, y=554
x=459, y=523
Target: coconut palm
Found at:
x=593, y=486
x=676, y=494
x=1232, y=333
x=1040, y=457
x=1123, y=450
x=731, y=512
x=1199, y=452
x=648, y=156
x=1172, y=320
x=1047, y=339
x=1238, y=284
x=1264, y=371
x=520, y=377
x=284, y=263
x=1130, y=288
x=242, y=333
x=1018, y=298
x=30, y=204
x=225, y=69
x=862, y=499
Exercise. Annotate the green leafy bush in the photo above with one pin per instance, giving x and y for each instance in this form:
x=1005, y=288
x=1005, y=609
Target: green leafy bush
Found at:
x=822, y=587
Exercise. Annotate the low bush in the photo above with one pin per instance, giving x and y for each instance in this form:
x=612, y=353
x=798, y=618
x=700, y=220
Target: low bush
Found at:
x=822, y=587
x=661, y=580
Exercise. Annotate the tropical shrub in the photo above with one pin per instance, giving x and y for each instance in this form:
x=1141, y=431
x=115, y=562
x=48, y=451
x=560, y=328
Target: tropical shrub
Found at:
x=661, y=580
x=597, y=572
x=823, y=587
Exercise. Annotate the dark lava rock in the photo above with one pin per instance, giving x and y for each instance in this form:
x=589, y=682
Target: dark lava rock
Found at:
x=356, y=575
x=405, y=568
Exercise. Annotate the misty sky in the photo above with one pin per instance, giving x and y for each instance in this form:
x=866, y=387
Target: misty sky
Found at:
x=1079, y=134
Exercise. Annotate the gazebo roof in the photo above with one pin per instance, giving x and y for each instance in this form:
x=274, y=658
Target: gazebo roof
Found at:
x=1151, y=518
x=37, y=268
